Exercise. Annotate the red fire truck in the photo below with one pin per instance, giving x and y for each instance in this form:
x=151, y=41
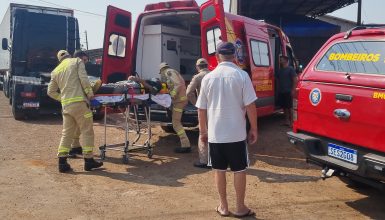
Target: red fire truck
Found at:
x=339, y=109
x=180, y=32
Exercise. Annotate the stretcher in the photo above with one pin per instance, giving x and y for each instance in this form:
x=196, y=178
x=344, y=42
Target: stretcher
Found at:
x=139, y=127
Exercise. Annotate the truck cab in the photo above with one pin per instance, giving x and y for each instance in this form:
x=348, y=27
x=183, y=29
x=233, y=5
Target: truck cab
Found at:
x=339, y=109
x=180, y=32
x=31, y=37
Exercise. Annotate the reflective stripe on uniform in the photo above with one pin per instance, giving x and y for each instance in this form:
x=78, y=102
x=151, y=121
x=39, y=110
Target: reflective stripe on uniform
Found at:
x=178, y=110
x=173, y=93
x=88, y=90
x=63, y=151
x=181, y=132
x=72, y=100
x=88, y=115
x=87, y=149
x=183, y=98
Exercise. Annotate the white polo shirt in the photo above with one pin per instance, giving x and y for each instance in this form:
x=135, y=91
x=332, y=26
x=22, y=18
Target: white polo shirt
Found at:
x=225, y=92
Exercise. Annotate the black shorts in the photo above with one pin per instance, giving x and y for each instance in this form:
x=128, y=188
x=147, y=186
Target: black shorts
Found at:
x=233, y=155
x=285, y=100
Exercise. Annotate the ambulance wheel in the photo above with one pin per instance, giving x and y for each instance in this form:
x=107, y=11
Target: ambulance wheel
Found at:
x=167, y=128
x=98, y=115
x=102, y=154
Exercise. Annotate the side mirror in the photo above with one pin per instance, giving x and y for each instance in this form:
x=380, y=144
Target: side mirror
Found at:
x=4, y=44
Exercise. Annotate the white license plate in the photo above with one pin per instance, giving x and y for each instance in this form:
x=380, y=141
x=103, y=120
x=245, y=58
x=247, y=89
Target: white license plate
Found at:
x=342, y=153
x=31, y=104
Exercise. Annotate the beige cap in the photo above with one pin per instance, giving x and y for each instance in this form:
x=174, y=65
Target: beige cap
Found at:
x=202, y=61
x=163, y=65
x=62, y=54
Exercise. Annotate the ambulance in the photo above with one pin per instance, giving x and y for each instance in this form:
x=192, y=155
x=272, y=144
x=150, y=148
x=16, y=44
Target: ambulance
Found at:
x=180, y=32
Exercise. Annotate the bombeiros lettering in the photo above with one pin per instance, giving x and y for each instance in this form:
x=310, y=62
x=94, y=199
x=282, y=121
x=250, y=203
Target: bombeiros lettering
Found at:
x=358, y=57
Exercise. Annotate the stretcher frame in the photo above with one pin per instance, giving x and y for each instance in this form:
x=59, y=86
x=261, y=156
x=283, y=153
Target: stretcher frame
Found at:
x=132, y=125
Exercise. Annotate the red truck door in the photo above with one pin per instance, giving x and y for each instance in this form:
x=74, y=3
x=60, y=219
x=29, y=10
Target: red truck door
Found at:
x=116, y=61
x=261, y=67
x=213, y=29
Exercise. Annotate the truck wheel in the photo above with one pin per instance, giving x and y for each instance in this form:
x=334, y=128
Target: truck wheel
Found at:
x=10, y=96
x=167, y=128
x=6, y=88
x=18, y=114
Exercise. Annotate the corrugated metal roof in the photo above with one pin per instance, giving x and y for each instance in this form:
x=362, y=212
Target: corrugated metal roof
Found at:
x=259, y=9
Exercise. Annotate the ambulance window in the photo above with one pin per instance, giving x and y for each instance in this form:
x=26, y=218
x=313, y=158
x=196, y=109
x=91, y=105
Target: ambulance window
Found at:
x=208, y=13
x=355, y=57
x=123, y=21
x=260, y=51
x=213, y=39
x=117, y=45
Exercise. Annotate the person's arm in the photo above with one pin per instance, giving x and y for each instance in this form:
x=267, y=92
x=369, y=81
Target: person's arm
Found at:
x=202, y=118
x=191, y=89
x=53, y=89
x=176, y=84
x=201, y=104
x=249, y=98
x=84, y=81
x=252, y=116
x=143, y=82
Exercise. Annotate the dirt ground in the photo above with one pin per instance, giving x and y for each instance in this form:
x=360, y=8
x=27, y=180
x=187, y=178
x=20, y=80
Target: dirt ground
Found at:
x=280, y=185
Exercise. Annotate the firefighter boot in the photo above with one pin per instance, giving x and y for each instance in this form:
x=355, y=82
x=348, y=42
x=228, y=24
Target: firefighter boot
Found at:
x=90, y=163
x=63, y=165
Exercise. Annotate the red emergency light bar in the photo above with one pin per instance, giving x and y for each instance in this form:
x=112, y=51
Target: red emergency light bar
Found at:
x=171, y=4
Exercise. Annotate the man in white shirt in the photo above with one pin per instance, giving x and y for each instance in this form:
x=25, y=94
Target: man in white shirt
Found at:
x=226, y=95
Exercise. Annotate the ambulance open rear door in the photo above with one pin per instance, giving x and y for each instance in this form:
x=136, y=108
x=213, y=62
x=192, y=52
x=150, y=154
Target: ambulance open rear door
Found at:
x=213, y=29
x=116, y=61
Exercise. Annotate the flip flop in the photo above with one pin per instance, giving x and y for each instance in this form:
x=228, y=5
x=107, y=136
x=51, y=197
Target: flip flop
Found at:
x=221, y=214
x=247, y=214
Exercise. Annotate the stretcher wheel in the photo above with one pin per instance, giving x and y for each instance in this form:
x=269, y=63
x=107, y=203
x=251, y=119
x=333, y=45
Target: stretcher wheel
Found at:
x=125, y=159
x=102, y=154
x=150, y=153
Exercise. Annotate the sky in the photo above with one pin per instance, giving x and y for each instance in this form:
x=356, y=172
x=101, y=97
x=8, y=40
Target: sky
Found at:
x=93, y=22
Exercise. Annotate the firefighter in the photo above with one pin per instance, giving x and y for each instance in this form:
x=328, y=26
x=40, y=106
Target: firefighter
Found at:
x=177, y=88
x=70, y=85
x=75, y=146
x=192, y=92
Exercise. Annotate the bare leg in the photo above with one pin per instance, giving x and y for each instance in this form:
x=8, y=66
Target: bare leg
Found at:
x=220, y=180
x=240, y=190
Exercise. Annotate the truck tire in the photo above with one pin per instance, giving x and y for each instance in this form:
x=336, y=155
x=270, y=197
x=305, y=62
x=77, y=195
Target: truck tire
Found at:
x=10, y=96
x=167, y=128
x=6, y=87
x=18, y=114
